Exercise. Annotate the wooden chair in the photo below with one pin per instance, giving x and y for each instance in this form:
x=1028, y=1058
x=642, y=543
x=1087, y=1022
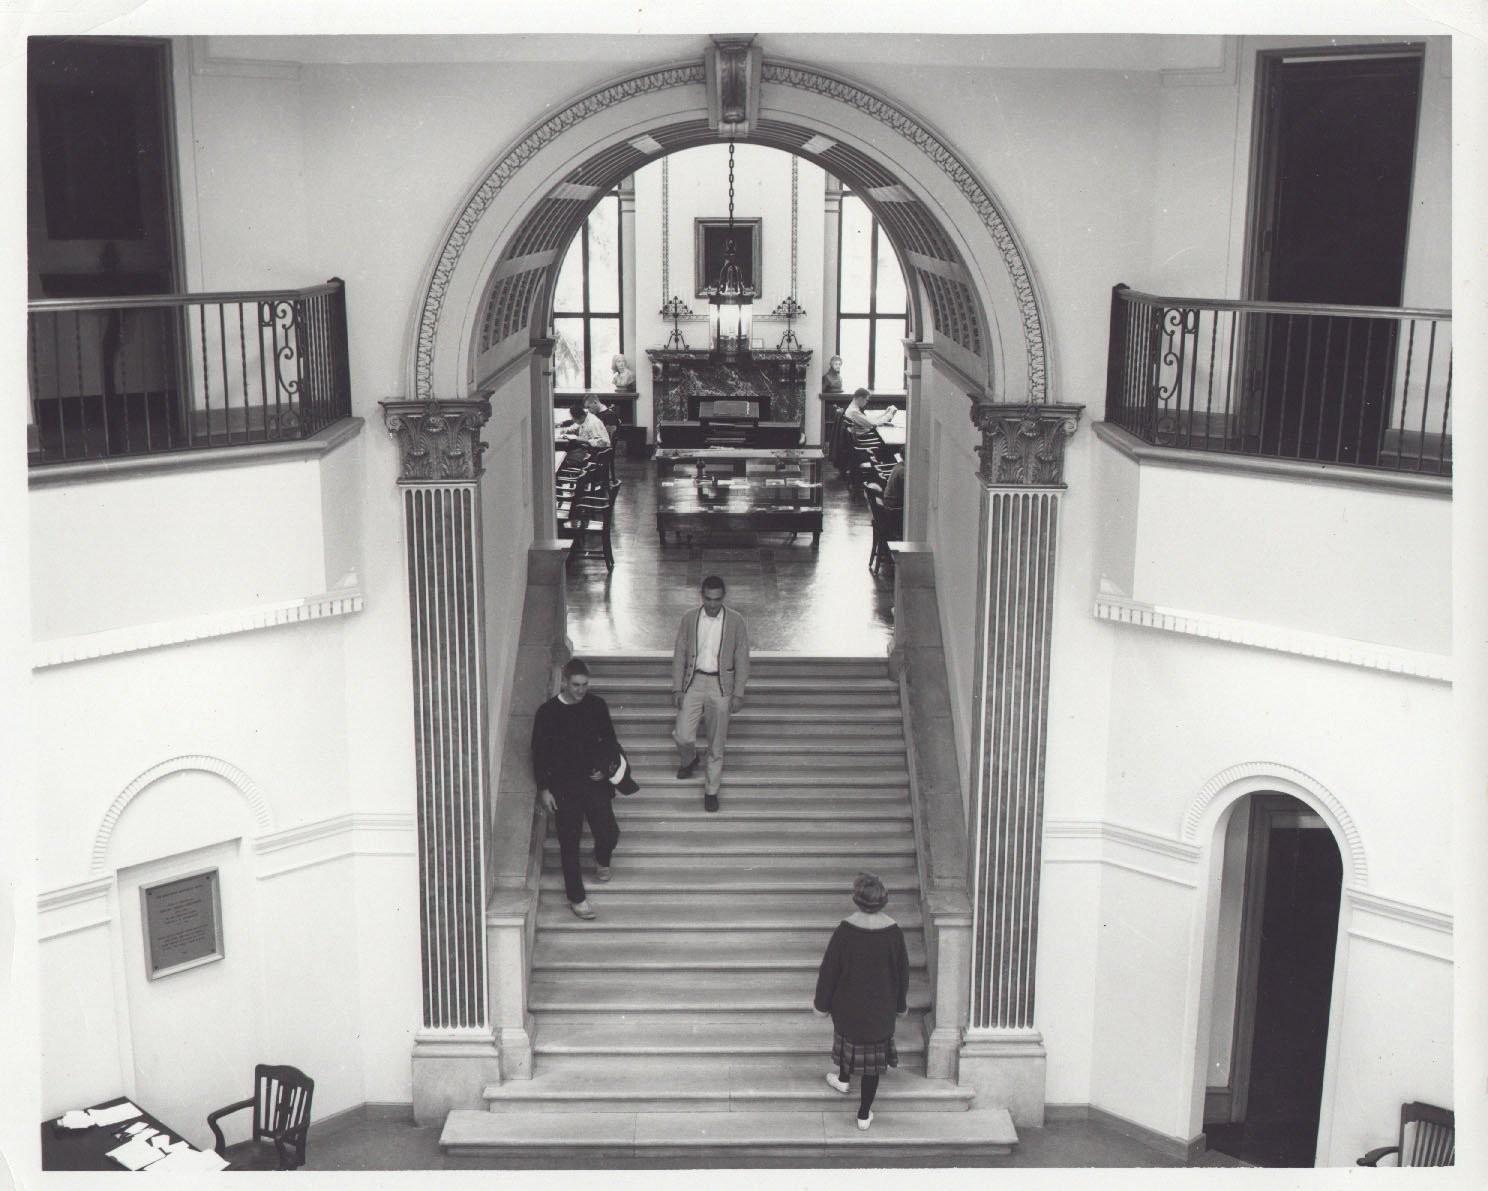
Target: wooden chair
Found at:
x=888, y=526
x=1428, y=1137
x=586, y=506
x=281, y=1119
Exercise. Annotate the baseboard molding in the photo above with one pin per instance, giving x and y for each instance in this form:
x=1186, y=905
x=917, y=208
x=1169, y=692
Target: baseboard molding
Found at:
x=369, y=1110
x=1183, y=1149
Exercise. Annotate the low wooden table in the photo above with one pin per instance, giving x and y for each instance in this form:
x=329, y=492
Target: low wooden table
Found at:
x=706, y=491
x=88, y=1149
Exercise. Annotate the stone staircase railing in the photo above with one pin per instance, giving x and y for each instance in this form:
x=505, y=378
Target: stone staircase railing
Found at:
x=917, y=661
x=518, y=826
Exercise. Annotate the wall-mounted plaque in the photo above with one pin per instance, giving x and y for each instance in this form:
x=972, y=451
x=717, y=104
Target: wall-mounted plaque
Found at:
x=713, y=238
x=182, y=921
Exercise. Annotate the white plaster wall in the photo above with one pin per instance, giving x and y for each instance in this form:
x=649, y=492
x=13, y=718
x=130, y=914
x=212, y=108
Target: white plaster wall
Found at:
x=1137, y=1060
x=1070, y=925
x=83, y=1041
x=140, y=549
x=1352, y=562
x=385, y=929
x=1184, y=709
x=1395, y=1045
x=241, y=152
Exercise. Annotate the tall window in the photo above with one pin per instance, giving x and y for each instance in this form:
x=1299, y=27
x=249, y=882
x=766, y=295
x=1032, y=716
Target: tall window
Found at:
x=872, y=304
x=586, y=303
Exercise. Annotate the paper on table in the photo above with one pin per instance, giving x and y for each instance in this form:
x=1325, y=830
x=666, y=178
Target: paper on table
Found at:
x=189, y=1159
x=75, y=1118
x=114, y=1113
x=135, y=1154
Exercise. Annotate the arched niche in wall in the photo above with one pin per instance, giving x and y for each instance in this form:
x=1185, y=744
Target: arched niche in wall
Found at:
x=177, y=806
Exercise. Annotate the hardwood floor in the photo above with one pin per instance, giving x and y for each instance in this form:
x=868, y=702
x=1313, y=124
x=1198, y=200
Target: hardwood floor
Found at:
x=796, y=599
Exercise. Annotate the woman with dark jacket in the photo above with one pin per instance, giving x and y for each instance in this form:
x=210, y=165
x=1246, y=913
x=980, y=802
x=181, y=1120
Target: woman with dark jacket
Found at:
x=864, y=983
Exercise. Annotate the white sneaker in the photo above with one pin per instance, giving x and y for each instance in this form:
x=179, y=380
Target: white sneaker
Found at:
x=841, y=1085
x=601, y=872
x=583, y=910
x=864, y=1122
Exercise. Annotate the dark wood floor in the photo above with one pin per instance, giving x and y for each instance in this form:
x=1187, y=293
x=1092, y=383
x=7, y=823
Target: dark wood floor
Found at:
x=796, y=599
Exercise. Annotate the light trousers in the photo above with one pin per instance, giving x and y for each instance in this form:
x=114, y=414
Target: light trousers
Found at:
x=703, y=700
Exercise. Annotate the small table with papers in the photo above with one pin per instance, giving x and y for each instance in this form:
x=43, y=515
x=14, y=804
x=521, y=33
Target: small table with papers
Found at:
x=119, y=1135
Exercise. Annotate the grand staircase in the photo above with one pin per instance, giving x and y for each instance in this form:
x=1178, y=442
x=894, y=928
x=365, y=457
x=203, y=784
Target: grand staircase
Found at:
x=679, y=1022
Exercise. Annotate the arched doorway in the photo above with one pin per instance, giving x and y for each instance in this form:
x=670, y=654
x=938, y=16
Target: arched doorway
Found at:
x=1275, y=945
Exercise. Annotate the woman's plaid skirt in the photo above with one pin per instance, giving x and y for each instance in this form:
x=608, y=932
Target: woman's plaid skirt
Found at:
x=863, y=1058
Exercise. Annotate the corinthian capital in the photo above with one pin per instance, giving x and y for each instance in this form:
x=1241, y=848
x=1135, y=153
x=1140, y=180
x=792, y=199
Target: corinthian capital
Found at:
x=437, y=440
x=1023, y=445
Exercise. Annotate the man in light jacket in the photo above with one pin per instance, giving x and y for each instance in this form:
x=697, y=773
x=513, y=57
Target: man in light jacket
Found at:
x=710, y=667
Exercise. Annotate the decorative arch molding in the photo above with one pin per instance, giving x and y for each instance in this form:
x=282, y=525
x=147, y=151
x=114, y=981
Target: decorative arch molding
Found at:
x=1251, y=777
x=1002, y=281
x=231, y=774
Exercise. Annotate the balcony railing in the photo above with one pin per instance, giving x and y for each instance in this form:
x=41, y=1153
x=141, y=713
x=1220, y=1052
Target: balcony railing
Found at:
x=1366, y=386
x=144, y=375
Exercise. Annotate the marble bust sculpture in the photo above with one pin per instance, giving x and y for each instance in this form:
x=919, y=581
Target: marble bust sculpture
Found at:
x=623, y=374
x=832, y=378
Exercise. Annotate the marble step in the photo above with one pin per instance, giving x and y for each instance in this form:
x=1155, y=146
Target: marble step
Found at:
x=845, y=690
x=670, y=990
x=763, y=664
x=746, y=874
x=714, y=834
x=655, y=723
x=715, y=913
x=685, y=806
x=703, y=1040
x=839, y=719
x=654, y=1086
x=675, y=950
x=825, y=749
x=864, y=783
x=804, y=1134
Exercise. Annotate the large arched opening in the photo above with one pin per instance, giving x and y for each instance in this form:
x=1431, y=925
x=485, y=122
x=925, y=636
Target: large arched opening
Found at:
x=971, y=298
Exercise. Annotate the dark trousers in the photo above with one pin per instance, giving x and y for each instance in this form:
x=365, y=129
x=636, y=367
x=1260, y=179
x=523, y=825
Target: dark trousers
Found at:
x=592, y=801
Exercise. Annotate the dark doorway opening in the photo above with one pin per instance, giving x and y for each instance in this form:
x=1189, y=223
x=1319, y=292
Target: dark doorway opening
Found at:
x=1289, y=934
x=1335, y=155
x=102, y=223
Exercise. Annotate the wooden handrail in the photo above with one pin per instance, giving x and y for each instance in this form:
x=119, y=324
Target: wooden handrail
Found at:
x=1317, y=308
x=135, y=301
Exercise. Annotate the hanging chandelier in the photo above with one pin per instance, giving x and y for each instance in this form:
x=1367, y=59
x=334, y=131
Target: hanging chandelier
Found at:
x=730, y=301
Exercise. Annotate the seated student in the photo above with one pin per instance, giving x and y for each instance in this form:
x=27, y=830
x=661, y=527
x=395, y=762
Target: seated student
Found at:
x=857, y=414
x=585, y=428
x=893, y=495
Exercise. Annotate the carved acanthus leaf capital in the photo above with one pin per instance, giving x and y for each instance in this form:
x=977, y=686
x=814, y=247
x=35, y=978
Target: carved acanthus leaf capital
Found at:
x=1023, y=445
x=437, y=440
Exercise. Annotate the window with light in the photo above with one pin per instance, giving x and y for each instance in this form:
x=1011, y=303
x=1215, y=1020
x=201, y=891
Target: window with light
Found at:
x=872, y=303
x=587, y=304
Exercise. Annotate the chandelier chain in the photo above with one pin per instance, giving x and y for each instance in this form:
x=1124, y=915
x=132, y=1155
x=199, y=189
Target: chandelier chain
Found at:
x=731, y=186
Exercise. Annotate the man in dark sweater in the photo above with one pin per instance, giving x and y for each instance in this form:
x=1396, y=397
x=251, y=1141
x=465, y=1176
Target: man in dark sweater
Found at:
x=573, y=741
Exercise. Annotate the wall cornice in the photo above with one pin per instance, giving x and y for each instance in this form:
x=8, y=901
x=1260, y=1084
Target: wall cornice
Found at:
x=61, y=651
x=1278, y=638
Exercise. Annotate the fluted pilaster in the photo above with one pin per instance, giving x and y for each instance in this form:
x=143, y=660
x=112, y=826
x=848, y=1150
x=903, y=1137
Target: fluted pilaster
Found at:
x=439, y=478
x=1022, y=474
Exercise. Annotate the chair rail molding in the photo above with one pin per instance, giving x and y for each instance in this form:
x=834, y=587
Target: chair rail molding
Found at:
x=235, y=777
x=1250, y=777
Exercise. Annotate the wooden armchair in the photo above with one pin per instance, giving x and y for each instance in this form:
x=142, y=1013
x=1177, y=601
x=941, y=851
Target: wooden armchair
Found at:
x=1428, y=1137
x=281, y=1119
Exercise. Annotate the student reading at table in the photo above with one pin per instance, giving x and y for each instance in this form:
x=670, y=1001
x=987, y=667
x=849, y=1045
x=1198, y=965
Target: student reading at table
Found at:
x=860, y=417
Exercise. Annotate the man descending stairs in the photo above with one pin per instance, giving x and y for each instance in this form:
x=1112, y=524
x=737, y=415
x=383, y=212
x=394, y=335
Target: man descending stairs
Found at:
x=679, y=1021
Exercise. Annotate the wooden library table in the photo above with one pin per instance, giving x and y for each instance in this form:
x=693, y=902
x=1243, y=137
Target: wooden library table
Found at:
x=719, y=490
